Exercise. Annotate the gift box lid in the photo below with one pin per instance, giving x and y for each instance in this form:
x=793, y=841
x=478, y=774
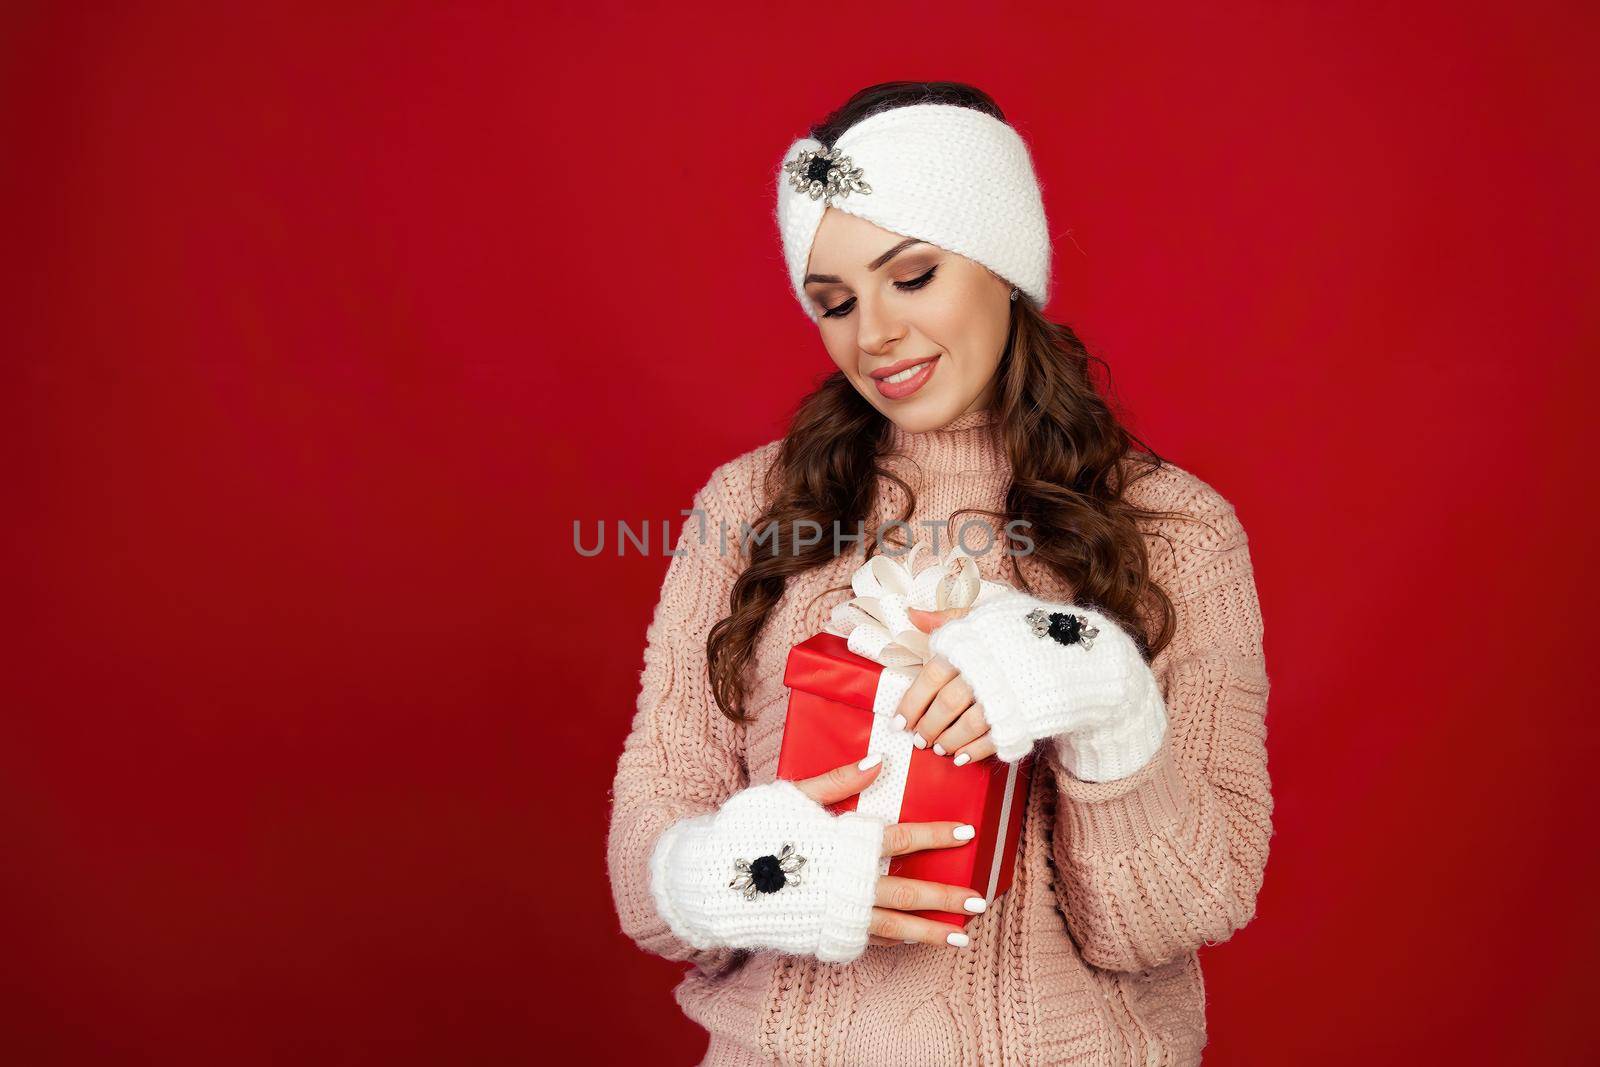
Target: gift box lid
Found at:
x=823, y=664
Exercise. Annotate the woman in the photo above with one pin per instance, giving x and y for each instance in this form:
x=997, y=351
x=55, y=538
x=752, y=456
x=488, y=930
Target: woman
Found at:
x=915, y=238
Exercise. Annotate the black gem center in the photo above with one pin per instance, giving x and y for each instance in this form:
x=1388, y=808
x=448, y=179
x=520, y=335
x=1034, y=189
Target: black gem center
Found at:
x=1065, y=628
x=818, y=170
x=766, y=873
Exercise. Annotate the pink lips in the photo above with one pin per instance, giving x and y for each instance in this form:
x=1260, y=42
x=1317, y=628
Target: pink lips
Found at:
x=901, y=390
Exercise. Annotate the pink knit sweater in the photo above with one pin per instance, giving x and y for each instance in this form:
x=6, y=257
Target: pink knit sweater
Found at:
x=1090, y=958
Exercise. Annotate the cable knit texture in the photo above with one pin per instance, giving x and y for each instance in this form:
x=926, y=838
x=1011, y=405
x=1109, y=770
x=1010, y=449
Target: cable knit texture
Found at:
x=1092, y=692
x=821, y=903
x=1091, y=956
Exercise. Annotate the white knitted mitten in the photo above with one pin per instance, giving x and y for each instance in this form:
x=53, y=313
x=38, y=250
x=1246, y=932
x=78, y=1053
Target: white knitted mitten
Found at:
x=771, y=869
x=1080, y=681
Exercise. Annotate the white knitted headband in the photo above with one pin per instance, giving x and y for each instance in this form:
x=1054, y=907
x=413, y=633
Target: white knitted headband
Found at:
x=949, y=175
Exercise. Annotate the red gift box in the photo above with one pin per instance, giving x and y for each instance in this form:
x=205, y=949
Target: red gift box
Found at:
x=840, y=705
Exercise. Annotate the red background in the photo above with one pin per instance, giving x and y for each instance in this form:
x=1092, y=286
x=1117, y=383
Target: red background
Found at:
x=323, y=326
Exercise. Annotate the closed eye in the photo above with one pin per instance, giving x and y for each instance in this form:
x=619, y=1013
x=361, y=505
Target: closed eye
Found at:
x=839, y=311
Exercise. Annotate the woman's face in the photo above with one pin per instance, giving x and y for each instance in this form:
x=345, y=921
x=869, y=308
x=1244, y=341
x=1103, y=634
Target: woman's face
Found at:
x=918, y=330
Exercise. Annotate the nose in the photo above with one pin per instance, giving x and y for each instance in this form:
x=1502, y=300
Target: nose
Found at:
x=879, y=327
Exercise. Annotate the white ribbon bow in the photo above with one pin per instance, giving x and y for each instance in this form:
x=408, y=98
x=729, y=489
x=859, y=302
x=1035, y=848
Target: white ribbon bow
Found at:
x=875, y=619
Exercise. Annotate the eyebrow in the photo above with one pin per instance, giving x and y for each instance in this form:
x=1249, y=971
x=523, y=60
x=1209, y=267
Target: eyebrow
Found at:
x=874, y=265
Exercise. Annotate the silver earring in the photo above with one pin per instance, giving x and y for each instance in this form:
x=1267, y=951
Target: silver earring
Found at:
x=1013, y=293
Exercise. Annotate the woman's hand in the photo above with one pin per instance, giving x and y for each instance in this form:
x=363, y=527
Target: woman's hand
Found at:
x=896, y=897
x=1042, y=670
x=940, y=707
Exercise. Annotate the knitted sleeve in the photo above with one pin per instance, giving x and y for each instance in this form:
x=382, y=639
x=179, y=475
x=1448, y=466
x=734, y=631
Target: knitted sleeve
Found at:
x=1152, y=866
x=683, y=757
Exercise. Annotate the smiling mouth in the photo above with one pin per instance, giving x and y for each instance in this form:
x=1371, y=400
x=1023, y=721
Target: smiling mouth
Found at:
x=906, y=380
x=905, y=374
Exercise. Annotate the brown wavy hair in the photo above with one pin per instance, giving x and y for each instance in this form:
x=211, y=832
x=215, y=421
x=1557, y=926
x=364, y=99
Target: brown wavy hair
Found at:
x=1071, y=461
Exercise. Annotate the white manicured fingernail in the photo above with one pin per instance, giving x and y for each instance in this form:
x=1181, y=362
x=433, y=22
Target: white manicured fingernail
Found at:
x=962, y=759
x=958, y=940
x=917, y=739
x=870, y=762
x=911, y=941
x=965, y=833
x=900, y=724
x=938, y=750
x=975, y=904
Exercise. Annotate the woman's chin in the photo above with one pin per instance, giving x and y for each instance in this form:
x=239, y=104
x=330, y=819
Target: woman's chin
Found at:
x=920, y=414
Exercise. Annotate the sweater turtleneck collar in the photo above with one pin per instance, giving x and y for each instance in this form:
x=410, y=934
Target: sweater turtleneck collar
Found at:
x=970, y=442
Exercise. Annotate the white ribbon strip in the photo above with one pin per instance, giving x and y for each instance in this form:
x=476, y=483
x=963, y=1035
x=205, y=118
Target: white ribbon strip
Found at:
x=1001, y=846
x=882, y=799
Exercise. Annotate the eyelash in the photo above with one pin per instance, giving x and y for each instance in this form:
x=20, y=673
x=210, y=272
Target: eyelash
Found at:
x=915, y=283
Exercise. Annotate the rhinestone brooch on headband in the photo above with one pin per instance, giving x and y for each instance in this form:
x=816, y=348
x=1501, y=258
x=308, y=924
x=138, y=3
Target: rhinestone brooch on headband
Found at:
x=1062, y=627
x=767, y=874
x=825, y=174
